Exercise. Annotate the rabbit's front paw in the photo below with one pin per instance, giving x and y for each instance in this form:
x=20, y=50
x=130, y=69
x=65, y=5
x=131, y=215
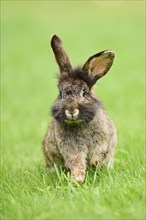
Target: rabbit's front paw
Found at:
x=96, y=160
x=78, y=176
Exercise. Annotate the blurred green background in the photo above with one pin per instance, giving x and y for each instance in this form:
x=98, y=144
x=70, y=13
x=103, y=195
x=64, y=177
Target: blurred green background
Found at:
x=28, y=86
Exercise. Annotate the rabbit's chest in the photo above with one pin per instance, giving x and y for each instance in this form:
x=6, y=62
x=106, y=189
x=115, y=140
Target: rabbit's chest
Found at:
x=74, y=140
x=81, y=140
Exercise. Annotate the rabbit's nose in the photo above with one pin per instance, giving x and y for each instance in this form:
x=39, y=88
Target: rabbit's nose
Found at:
x=72, y=114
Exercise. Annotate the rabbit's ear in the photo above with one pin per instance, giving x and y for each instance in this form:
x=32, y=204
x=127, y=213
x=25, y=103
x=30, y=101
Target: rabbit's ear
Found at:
x=98, y=65
x=60, y=55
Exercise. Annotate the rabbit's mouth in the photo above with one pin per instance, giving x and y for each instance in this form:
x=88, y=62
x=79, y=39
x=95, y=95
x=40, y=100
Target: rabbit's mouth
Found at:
x=72, y=115
x=70, y=122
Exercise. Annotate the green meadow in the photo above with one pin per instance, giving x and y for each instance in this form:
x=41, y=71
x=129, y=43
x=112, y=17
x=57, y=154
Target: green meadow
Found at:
x=29, y=88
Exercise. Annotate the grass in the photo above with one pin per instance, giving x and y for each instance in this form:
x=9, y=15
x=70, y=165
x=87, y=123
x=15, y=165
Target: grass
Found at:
x=28, y=90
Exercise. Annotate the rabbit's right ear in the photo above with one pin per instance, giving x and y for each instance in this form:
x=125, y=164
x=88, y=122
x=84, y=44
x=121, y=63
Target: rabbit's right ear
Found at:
x=98, y=65
x=60, y=55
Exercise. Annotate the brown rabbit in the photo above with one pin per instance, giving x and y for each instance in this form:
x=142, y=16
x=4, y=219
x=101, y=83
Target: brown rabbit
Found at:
x=81, y=134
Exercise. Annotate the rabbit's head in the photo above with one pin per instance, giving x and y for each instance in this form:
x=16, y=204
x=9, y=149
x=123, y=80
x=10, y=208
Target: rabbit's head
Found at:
x=76, y=102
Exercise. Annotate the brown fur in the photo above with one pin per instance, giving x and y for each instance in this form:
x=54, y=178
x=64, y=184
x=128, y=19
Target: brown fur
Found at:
x=81, y=134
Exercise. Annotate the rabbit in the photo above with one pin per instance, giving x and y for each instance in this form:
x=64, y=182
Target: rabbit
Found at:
x=81, y=134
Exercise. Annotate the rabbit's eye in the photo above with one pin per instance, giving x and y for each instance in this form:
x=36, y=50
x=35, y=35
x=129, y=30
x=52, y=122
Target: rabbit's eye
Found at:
x=84, y=92
x=69, y=92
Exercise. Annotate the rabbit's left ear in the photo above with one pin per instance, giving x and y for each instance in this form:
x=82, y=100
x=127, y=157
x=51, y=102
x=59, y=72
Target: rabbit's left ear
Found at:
x=60, y=55
x=98, y=65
